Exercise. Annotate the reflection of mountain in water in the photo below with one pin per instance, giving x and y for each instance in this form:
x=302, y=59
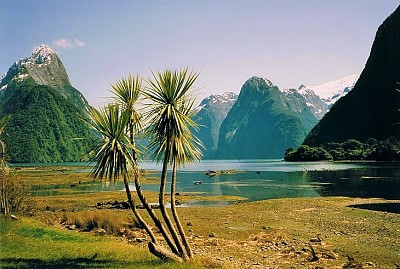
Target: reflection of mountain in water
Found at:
x=251, y=185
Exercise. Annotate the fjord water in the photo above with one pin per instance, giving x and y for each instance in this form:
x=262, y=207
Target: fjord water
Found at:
x=268, y=179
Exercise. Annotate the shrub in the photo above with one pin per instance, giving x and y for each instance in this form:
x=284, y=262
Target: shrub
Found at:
x=13, y=193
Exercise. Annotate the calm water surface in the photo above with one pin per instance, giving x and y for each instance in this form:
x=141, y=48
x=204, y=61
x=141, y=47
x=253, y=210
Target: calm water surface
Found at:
x=268, y=179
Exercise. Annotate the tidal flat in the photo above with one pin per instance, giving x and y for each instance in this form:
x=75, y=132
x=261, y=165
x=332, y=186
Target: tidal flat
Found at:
x=311, y=232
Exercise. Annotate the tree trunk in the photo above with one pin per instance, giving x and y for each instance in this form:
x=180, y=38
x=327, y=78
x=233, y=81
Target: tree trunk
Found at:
x=143, y=199
x=175, y=213
x=163, y=210
x=154, y=217
x=163, y=253
x=142, y=222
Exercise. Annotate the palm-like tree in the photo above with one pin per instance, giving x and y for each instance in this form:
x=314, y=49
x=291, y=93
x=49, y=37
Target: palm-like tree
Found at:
x=170, y=128
x=113, y=154
x=127, y=92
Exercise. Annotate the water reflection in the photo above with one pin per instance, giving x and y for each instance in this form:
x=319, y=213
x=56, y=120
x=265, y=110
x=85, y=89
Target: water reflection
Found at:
x=268, y=179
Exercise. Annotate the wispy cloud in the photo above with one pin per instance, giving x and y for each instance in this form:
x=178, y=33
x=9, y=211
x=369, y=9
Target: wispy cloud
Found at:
x=63, y=43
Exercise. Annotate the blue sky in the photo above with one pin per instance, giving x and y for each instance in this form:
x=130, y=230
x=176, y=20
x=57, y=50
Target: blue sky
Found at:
x=290, y=42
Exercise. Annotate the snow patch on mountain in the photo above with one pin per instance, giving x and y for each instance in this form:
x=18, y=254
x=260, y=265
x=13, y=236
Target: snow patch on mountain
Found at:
x=41, y=56
x=332, y=91
x=226, y=97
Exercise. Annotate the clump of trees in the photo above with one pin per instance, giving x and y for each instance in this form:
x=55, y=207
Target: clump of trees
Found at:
x=352, y=149
x=165, y=118
x=307, y=154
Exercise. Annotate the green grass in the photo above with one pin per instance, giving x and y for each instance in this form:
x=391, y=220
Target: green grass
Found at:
x=27, y=243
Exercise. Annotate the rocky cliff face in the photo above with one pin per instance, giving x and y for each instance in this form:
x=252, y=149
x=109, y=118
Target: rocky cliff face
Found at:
x=371, y=109
x=45, y=113
x=263, y=122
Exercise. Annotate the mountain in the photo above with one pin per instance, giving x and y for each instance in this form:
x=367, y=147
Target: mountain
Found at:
x=332, y=91
x=45, y=112
x=213, y=111
x=263, y=122
x=372, y=108
x=44, y=68
x=313, y=101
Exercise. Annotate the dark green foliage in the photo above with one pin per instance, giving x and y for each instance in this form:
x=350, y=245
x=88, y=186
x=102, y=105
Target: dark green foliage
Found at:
x=306, y=153
x=44, y=126
x=372, y=149
x=372, y=108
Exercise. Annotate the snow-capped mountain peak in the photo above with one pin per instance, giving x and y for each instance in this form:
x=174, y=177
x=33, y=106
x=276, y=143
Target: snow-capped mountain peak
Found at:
x=226, y=97
x=332, y=91
x=42, y=54
x=43, y=66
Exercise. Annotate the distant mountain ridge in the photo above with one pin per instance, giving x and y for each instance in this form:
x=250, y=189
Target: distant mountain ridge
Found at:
x=332, y=91
x=46, y=113
x=263, y=122
x=302, y=108
x=213, y=111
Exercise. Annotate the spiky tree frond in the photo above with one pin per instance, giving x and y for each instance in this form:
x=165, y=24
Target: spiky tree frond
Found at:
x=127, y=93
x=112, y=155
x=170, y=113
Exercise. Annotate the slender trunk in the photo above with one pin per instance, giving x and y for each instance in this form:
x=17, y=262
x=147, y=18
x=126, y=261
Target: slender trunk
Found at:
x=143, y=199
x=175, y=213
x=154, y=217
x=142, y=222
x=163, y=210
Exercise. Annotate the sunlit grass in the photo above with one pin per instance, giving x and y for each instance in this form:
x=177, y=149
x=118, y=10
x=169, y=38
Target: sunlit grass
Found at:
x=27, y=243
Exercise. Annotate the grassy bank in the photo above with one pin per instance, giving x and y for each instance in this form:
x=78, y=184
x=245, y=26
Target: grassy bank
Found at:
x=28, y=243
x=281, y=233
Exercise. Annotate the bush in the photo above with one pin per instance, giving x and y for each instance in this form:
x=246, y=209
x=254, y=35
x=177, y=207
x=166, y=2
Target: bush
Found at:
x=13, y=193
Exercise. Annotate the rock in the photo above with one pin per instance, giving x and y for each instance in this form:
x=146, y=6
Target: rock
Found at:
x=316, y=240
x=71, y=227
x=189, y=224
x=211, y=234
x=140, y=239
x=100, y=231
x=197, y=182
x=155, y=206
x=124, y=205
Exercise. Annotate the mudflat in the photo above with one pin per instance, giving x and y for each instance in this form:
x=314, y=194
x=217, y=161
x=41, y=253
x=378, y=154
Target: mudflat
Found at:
x=320, y=232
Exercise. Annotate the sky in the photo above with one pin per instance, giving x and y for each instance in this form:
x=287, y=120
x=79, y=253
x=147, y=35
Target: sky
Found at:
x=289, y=42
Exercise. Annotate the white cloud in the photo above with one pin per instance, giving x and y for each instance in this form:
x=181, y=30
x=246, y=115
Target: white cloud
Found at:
x=63, y=43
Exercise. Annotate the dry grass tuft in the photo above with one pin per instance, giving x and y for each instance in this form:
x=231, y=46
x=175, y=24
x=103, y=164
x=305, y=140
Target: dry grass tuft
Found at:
x=90, y=220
